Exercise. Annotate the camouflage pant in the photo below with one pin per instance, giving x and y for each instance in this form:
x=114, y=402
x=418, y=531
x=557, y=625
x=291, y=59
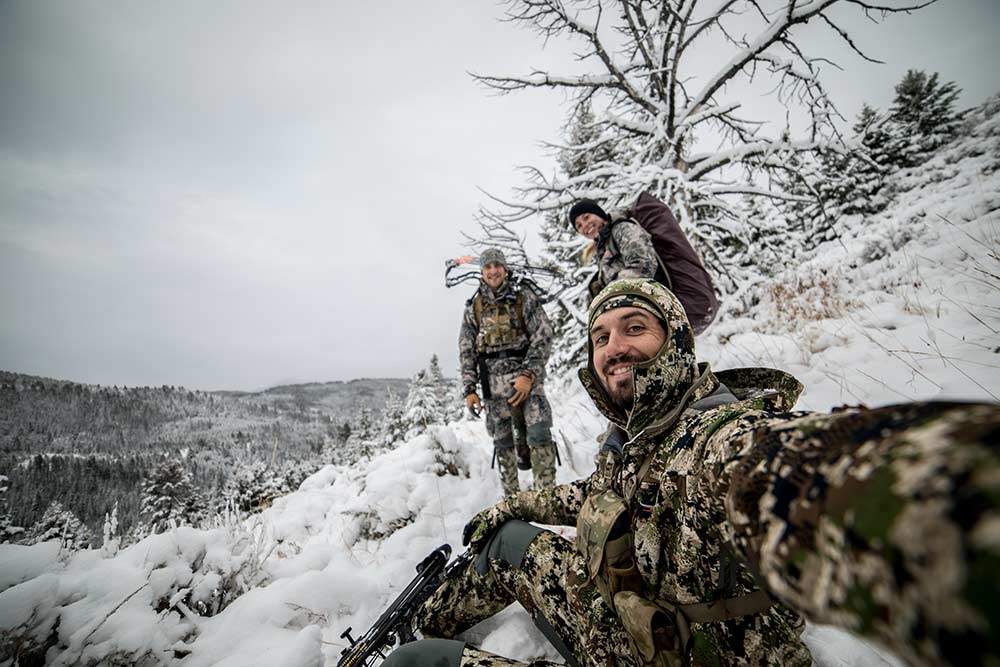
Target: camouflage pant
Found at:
x=530, y=425
x=545, y=585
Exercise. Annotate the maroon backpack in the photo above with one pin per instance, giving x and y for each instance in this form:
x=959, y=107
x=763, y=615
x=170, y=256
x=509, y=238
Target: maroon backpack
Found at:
x=680, y=267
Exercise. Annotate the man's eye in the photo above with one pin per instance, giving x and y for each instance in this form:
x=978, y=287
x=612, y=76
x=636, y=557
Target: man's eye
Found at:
x=600, y=341
x=636, y=328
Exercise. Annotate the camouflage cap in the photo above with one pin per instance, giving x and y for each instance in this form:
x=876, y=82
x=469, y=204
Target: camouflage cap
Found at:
x=641, y=293
x=622, y=301
x=492, y=255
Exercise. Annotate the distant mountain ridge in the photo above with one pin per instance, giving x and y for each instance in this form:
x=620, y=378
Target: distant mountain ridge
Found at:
x=44, y=414
x=88, y=446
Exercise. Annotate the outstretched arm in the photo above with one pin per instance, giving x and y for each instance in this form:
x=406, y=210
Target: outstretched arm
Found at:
x=884, y=522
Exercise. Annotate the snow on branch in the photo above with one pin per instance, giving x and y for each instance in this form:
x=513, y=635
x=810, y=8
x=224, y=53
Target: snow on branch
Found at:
x=506, y=84
x=703, y=164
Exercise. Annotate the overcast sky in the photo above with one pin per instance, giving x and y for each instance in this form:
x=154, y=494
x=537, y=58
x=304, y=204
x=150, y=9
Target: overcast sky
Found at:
x=237, y=194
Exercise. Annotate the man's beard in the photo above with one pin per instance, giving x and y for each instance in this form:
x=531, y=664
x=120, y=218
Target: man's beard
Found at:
x=623, y=394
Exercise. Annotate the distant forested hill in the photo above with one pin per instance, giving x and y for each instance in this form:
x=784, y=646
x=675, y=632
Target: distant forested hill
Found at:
x=89, y=446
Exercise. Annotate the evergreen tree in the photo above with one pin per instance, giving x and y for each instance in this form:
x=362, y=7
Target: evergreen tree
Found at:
x=422, y=407
x=923, y=109
x=344, y=432
x=859, y=180
x=445, y=392
x=169, y=497
x=565, y=251
x=393, y=425
x=58, y=523
x=112, y=539
x=363, y=427
x=8, y=531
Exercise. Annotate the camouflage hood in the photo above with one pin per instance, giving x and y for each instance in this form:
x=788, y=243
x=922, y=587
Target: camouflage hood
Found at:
x=664, y=385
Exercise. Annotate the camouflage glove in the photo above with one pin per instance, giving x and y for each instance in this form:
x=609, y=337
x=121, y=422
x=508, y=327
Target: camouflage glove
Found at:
x=484, y=524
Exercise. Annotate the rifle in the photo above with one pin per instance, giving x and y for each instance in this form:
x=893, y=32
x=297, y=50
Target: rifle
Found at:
x=393, y=627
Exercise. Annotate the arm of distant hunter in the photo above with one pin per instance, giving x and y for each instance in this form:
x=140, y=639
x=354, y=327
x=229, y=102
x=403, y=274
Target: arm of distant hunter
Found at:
x=467, y=348
x=875, y=521
x=636, y=248
x=540, y=333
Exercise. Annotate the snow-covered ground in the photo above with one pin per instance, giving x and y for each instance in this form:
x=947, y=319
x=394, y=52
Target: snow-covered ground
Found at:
x=905, y=306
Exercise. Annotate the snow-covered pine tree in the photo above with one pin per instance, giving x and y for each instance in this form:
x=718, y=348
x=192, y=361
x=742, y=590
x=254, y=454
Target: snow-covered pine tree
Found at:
x=393, y=427
x=565, y=251
x=869, y=165
x=422, y=406
x=59, y=523
x=344, y=431
x=169, y=498
x=8, y=531
x=445, y=392
x=112, y=539
x=363, y=430
x=923, y=110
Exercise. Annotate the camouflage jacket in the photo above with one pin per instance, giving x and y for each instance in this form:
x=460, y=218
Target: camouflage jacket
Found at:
x=534, y=334
x=875, y=520
x=680, y=543
x=626, y=251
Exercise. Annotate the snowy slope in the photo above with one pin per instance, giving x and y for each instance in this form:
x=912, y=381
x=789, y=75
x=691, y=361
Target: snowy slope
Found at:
x=906, y=305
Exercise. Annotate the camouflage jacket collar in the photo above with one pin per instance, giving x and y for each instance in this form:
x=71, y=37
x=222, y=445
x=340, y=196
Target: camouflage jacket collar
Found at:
x=624, y=457
x=663, y=390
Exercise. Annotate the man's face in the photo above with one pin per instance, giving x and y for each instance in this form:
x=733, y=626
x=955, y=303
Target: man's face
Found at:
x=589, y=224
x=620, y=338
x=494, y=274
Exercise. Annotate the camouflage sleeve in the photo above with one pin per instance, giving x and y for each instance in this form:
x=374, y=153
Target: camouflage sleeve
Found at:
x=467, y=347
x=636, y=248
x=884, y=522
x=540, y=333
x=555, y=506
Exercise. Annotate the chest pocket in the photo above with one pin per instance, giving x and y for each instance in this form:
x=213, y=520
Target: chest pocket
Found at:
x=604, y=539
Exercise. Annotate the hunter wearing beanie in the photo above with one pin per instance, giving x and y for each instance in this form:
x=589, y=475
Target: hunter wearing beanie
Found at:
x=586, y=206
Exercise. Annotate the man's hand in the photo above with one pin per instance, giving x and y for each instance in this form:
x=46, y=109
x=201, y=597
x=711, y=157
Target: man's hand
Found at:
x=473, y=403
x=522, y=385
x=484, y=524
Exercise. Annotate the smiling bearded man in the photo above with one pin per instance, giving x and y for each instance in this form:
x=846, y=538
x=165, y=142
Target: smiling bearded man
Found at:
x=717, y=519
